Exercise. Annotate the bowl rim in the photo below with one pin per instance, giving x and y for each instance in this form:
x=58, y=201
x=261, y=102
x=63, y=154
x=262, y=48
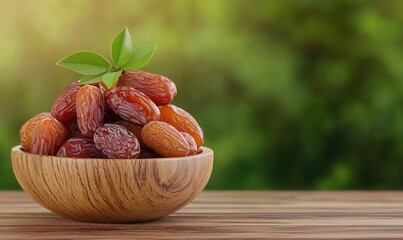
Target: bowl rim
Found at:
x=205, y=152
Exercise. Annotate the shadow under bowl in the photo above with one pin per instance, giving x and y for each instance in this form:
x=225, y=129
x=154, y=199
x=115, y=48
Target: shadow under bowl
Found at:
x=112, y=190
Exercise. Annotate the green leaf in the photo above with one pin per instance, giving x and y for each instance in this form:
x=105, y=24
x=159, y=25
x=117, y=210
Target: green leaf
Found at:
x=110, y=78
x=121, y=49
x=140, y=57
x=87, y=63
x=87, y=79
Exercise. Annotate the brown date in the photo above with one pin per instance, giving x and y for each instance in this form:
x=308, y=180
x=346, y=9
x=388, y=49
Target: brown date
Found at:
x=164, y=139
x=64, y=107
x=132, y=105
x=48, y=136
x=90, y=110
x=104, y=89
x=158, y=88
x=116, y=141
x=79, y=148
x=27, y=130
x=192, y=143
x=135, y=129
x=182, y=121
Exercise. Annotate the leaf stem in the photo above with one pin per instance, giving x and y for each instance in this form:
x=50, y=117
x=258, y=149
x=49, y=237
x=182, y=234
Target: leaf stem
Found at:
x=115, y=69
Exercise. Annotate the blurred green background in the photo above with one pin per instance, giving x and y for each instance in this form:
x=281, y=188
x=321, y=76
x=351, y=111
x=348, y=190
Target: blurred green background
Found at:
x=290, y=94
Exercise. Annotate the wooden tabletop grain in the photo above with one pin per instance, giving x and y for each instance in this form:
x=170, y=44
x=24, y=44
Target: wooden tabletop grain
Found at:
x=227, y=215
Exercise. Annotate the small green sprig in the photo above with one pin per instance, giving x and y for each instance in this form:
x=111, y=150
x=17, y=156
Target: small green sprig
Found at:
x=96, y=68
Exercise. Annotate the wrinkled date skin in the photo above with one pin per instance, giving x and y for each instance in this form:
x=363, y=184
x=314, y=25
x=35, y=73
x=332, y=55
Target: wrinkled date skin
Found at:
x=90, y=110
x=79, y=148
x=48, y=136
x=158, y=88
x=28, y=128
x=104, y=89
x=116, y=141
x=164, y=139
x=182, y=121
x=135, y=129
x=192, y=143
x=132, y=105
x=64, y=107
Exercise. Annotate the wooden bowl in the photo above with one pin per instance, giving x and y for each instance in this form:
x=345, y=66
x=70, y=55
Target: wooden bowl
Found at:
x=112, y=190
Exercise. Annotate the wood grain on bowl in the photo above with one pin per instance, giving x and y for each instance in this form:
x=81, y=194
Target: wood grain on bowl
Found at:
x=112, y=190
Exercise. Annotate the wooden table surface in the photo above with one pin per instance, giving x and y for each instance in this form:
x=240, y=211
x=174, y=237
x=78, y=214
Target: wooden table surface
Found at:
x=227, y=214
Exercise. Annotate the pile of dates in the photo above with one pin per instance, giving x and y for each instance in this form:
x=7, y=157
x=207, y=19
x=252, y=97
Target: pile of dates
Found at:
x=132, y=119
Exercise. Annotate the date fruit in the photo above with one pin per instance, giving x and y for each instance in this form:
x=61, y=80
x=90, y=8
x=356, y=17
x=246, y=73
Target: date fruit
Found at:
x=164, y=139
x=104, y=89
x=135, y=129
x=115, y=141
x=132, y=119
x=90, y=110
x=64, y=107
x=158, y=88
x=182, y=121
x=48, y=136
x=27, y=130
x=132, y=105
x=80, y=148
x=192, y=143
